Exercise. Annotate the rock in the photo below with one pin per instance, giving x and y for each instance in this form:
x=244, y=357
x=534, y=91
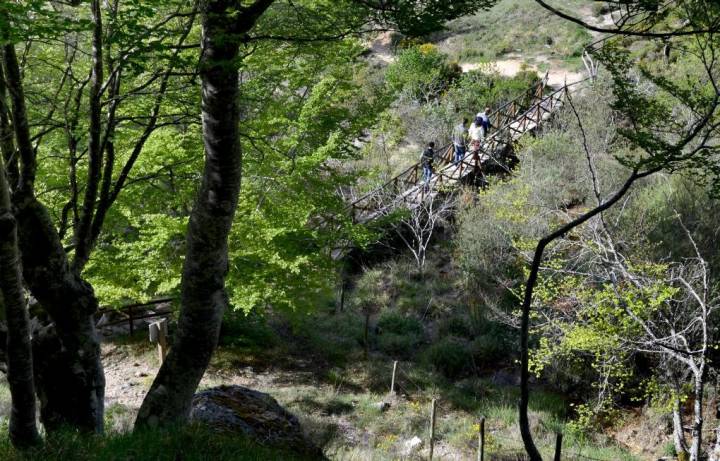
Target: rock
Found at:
x=412, y=446
x=140, y=374
x=382, y=406
x=237, y=409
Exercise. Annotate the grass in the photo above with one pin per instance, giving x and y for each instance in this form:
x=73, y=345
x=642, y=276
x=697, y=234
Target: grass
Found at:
x=512, y=27
x=188, y=444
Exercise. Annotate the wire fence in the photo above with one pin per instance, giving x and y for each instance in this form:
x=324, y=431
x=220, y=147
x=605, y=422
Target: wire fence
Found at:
x=493, y=443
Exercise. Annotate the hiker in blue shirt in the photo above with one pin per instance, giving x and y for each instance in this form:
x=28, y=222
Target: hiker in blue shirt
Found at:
x=459, y=142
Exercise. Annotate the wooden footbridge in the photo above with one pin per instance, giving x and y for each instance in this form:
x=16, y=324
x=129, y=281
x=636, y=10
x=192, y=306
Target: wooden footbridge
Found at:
x=512, y=120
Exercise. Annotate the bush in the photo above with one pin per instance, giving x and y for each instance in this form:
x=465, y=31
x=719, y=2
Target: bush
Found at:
x=398, y=346
x=334, y=337
x=450, y=356
x=248, y=331
x=455, y=326
x=423, y=72
x=393, y=322
x=399, y=335
x=488, y=350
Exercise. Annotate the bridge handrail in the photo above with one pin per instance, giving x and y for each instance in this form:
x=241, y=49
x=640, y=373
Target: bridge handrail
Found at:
x=533, y=91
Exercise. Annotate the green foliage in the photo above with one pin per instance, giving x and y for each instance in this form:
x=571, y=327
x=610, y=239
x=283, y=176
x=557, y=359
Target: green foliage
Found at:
x=454, y=326
x=513, y=26
x=192, y=443
x=478, y=89
x=335, y=338
x=422, y=72
x=394, y=322
x=370, y=294
x=417, y=19
x=249, y=331
x=491, y=347
x=450, y=356
x=399, y=335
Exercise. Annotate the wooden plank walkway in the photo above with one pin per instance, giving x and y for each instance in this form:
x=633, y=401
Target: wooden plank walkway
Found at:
x=522, y=115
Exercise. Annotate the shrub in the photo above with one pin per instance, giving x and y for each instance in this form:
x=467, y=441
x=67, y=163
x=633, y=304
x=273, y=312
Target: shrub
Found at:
x=454, y=326
x=398, y=346
x=488, y=349
x=394, y=322
x=399, y=335
x=248, y=331
x=334, y=337
x=450, y=356
x=422, y=72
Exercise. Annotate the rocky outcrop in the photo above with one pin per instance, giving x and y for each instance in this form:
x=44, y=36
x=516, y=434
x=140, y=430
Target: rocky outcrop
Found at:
x=257, y=415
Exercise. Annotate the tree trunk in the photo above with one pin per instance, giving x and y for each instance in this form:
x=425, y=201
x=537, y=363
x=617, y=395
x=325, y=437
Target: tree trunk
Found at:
x=95, y=148
x=699, y=390
x=23, y=427
x=678, y=434
x=7, y=144
x=523, y=420
x=69, y=377
x=203, y=297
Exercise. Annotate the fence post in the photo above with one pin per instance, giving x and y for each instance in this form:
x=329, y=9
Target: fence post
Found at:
x=432, y=428
x=158, y=335
x=392, y=381
x=481, y=440
x=131, y=319
x=558, y=446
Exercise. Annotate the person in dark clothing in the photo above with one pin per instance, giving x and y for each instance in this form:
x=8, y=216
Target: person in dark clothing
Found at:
x=427, y=158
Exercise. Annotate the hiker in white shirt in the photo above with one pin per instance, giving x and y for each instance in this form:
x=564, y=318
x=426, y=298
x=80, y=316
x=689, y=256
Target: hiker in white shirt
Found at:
x=484, y=118
x=476, y=137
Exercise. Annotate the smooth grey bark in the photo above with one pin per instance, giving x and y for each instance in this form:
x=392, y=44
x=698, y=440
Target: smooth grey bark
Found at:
x=23, y=426
x=699, y=391
x=203, y=296
x=678, y=433
x=95, y=148
x=69, y=377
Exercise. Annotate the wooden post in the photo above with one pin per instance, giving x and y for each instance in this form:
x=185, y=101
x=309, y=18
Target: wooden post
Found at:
x=158, y=334
x=392, y=381
x=558, y=446
x=481, y=440
x=432, y=428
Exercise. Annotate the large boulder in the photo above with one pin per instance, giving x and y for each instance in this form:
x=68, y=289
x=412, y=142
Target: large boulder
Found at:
x=257, y=415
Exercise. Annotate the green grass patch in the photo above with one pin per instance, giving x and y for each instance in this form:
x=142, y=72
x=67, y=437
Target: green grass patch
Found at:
x=189, y=444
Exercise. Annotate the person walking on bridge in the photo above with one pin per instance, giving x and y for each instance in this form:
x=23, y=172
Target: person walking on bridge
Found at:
x=426, y=159
x=484, y=119
x=476, y=135
x=459, y=141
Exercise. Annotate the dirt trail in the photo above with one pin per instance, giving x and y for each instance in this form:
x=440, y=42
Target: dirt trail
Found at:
x=557, y=73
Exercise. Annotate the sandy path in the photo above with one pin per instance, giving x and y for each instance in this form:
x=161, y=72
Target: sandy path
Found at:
x=557, y=75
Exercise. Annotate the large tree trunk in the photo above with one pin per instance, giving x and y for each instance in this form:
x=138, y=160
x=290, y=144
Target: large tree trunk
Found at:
x=69, y=376
x=23, y=427
x=203, y=296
